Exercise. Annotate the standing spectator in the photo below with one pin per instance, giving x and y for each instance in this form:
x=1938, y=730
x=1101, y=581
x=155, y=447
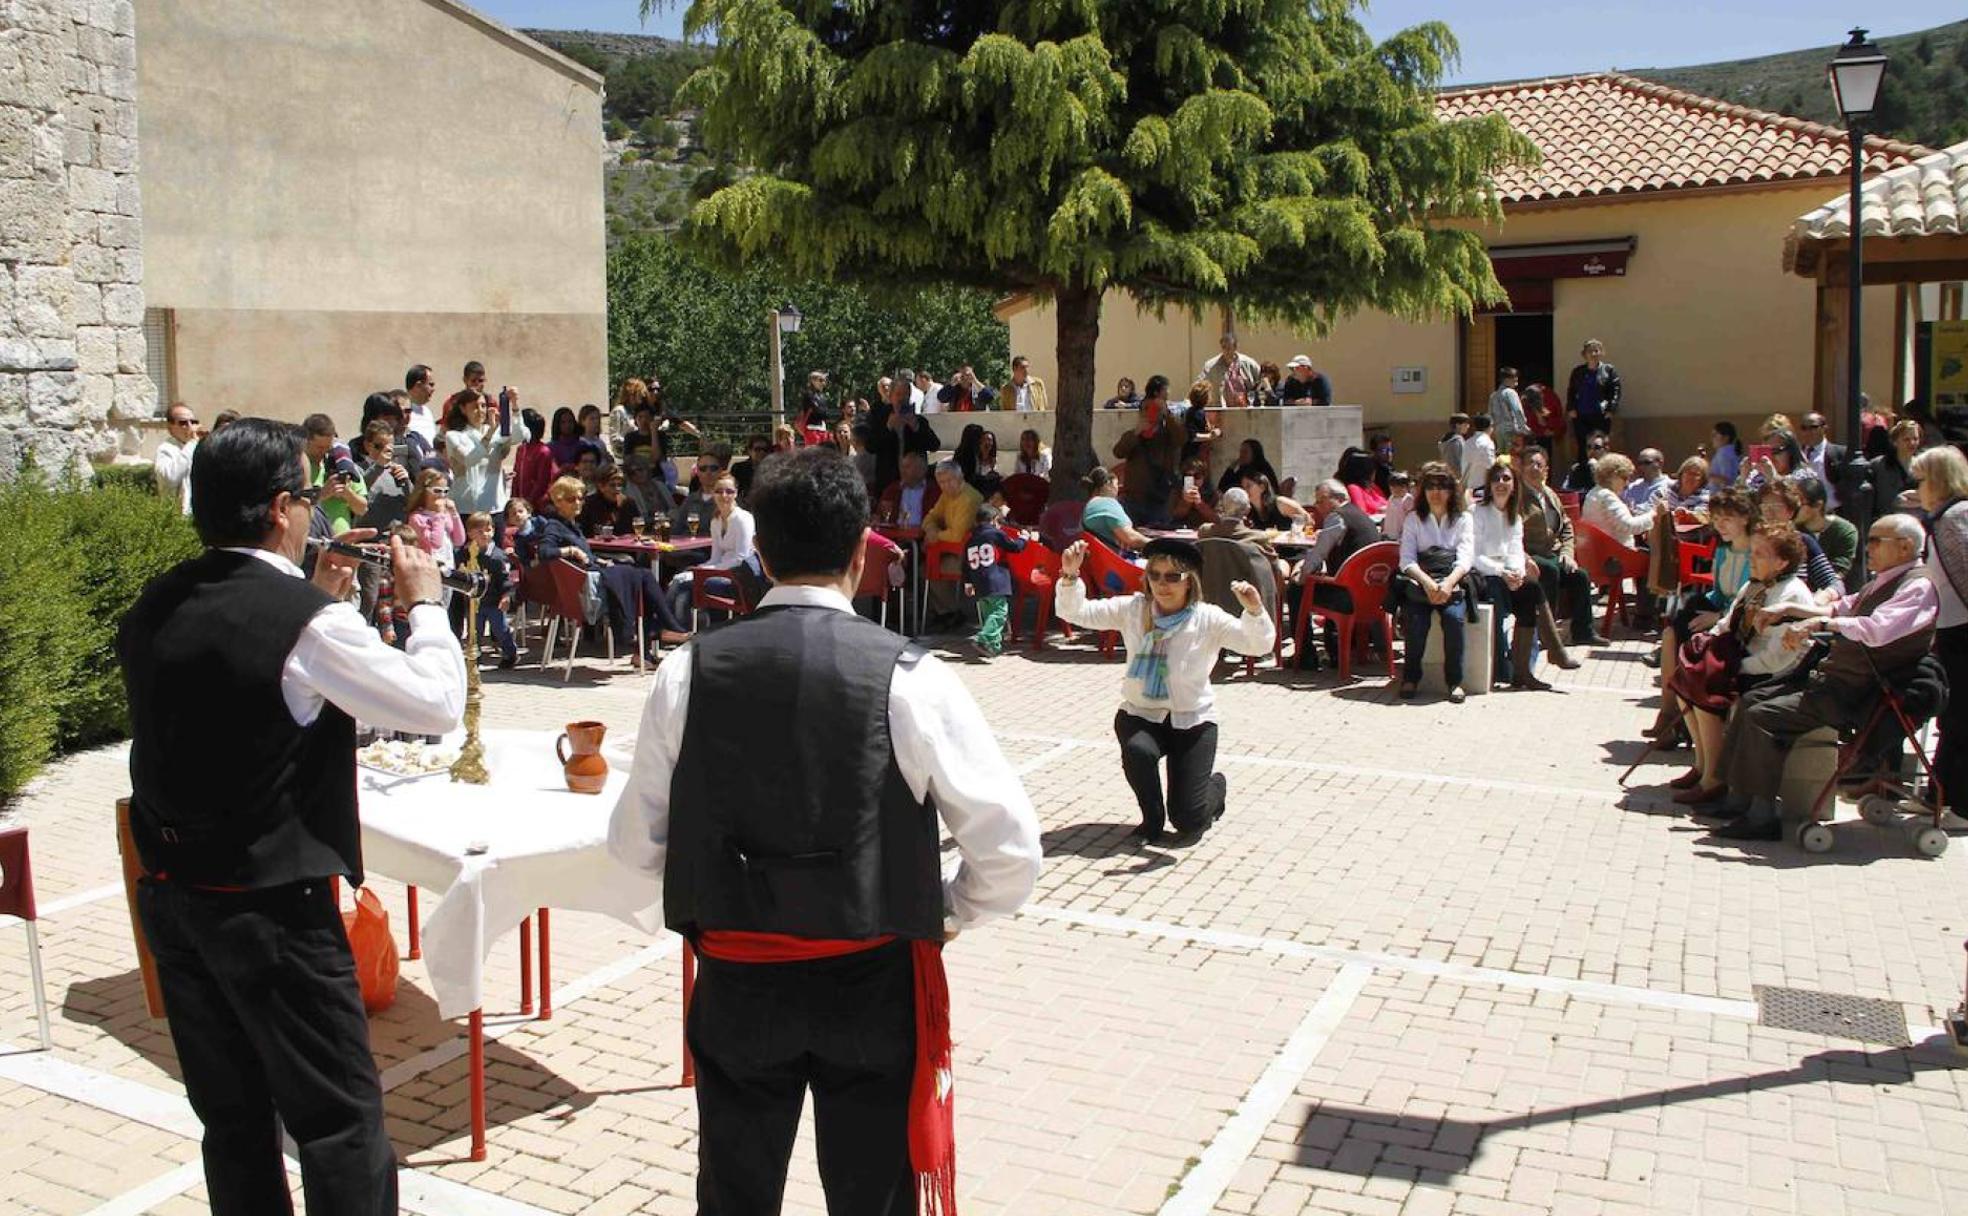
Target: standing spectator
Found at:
x=1400, y=504
x=1438, y=550
x=225, y=419
x=1507, y=410
x=1450, y=445
x=988, y=580
x=1544, y=412
x=419, y=386
x=1649, y=479
x=591, y=435
x=477, y=452
x=1304, y=384
x=474, y=377
x=1269, y=377
x=1479, y=452
x=1232, y=375
x=757, y=448
x=565, y=443
x=1943, y=477
x=1381, y=445
x=1023, y=391
x=1124, y=398
x=813, y=413
x=434, y=517
x=1725, y=464
x=533, y=463
x=1549, y=543
x=386, y=482
x=1153, y=452
x=172, y=465
x=961, y=395
x=485, y=557
x=1592, y=396
x=925, y=393
x=332, y=467
x=1892, y=471
x=1826, y=459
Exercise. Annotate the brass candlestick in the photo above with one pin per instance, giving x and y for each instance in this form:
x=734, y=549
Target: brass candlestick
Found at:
x=469, y=767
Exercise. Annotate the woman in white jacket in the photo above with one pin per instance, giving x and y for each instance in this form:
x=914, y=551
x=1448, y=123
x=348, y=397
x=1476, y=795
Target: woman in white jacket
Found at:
x=1776, y=554
x=1508, y=582
x=1167, y=708
x=1604, y=507
x=477, y=452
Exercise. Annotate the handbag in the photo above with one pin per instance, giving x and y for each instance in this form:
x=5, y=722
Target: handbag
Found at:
x=1437, y=562
x=1710, y=668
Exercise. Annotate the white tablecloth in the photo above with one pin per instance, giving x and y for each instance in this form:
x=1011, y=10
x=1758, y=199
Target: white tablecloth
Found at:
x=546, y=848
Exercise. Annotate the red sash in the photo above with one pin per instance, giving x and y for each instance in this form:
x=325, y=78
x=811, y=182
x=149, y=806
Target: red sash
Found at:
x=932, y=1109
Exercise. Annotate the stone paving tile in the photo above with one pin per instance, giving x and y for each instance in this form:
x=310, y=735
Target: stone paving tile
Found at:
x=1095, y=1067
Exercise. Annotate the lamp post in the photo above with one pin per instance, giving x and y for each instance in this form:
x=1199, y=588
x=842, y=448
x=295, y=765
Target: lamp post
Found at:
x=1855, y=73
x=780, y=321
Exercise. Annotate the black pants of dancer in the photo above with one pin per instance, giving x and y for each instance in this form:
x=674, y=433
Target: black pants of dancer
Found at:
x=763, y=1034
x=265, y=1011
x=1950, y=754
x=1193, y=801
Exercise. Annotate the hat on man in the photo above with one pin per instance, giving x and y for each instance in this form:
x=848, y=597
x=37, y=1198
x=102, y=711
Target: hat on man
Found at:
x=1299, y=361
x=1182, y=552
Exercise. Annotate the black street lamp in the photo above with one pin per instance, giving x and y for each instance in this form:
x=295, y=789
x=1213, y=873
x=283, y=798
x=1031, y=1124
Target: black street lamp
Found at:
x=1855, y=73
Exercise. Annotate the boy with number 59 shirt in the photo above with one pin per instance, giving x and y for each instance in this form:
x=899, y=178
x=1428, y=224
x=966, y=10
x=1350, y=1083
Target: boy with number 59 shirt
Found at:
x=987, y=579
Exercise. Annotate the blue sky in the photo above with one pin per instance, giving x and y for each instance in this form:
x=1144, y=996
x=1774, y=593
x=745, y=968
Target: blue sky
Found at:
x=1499, y=40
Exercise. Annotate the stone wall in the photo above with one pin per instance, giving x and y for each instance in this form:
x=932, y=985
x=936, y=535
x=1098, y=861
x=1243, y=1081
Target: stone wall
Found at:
x=71, y=263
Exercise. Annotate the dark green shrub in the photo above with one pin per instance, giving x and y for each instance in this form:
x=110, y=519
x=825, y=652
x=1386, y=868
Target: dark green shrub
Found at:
x=71, y=562
x=134, y=476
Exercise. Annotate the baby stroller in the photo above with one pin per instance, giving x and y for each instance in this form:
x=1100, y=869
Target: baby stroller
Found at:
x=1872, y=771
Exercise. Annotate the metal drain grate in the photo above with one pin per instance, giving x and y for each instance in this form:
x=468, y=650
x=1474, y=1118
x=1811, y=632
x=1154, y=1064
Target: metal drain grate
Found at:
x=1843, y=1017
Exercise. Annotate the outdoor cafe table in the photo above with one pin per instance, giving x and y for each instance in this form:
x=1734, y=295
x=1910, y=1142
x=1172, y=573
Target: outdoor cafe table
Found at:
x=648, y=549
x=495, y=853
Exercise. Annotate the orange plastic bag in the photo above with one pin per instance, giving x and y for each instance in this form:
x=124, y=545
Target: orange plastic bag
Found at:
x=375, y=951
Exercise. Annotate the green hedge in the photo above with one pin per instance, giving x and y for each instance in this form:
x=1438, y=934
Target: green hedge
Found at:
x=71, y=562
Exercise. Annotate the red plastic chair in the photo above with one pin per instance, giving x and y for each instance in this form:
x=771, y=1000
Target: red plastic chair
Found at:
x=874, y=585
x=737, y=601
x=1574, y=504
x=1034, y=576
x=17, y=899
x=1366, y=575
x=1688, y=553
x=1609, y=565
x=1110, y=574
x=933, y=572
x=557, y=587
x=1059, y=524
x=1025, y=498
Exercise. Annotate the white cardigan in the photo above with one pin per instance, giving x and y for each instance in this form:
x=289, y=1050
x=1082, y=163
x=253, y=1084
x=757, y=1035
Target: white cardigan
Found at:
x=1499, y=542
x=1606, y=511
x=1765, y=654
x=1192, y=649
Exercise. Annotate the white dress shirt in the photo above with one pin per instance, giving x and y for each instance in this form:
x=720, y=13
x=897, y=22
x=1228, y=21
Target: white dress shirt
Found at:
x=1499, y=542
x=1435, y=532
x=1479, y=452
x=420, y=421
x=1192, y=649
x=943, y=747
x=1040, y=467
x=731, y=540
x=172, y=469
x=341, y=658
x=1815, y=457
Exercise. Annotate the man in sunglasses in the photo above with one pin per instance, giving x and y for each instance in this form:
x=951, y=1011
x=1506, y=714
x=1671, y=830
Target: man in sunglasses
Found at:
x=1827, y=459
x=240, y=847
x=1887, y=626
x=172, y=464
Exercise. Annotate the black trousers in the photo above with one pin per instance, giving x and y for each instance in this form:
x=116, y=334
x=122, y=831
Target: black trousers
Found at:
x=763, y=1034
x=267, y=1017
x=1194, y=800
x=1950, y=754
x=1523, y=604
x=1570, y=594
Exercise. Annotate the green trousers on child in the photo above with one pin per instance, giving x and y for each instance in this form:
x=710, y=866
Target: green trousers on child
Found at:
x=992, y=610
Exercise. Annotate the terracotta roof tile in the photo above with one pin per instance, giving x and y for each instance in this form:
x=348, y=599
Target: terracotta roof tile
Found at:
x=1927, y=197
x=1610, y=134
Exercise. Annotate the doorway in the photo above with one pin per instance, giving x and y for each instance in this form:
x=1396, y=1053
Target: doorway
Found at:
x=1524, y=341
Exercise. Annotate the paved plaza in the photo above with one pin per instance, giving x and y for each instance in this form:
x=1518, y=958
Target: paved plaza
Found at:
x=1434, y=960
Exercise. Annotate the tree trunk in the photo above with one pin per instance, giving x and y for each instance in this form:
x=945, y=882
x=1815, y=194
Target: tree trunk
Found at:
x=1078, y=312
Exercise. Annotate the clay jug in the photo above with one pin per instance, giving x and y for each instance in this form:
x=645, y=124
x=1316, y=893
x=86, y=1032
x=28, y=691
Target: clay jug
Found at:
x=585, y=769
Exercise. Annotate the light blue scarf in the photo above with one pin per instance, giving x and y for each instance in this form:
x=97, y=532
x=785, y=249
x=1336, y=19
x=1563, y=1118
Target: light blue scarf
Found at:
x=1150, y=666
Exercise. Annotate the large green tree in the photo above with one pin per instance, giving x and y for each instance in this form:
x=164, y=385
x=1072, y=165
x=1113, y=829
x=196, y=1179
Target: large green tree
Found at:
x=1262, y=154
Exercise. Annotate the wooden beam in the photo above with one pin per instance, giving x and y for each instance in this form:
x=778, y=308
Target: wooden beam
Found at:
x=1834, y=273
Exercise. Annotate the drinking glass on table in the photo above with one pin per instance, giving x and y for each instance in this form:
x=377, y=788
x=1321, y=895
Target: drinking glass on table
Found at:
x=640, y=525
x=696, y=523
x=607, y=531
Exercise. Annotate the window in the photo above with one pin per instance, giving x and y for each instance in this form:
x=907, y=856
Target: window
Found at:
x=160, y=354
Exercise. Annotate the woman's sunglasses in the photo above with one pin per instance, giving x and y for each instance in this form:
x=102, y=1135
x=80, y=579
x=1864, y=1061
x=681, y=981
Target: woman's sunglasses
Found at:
x=1167, y=577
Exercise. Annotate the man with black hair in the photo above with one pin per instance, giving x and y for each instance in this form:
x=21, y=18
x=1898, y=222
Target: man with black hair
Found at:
x=810, y=887
x=420, y=384
x=1153, y=451
x=474, y=377
x=237, y=902
x=332, y=468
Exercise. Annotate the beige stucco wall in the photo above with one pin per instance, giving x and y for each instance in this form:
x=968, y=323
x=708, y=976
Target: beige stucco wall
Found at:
x=1704, y=325
x=337, y=189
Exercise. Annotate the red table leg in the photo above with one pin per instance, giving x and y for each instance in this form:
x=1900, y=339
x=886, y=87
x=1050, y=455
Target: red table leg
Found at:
x=546, y=965
x=689, y=985
x=477, y=1067
x=526, y=965
x=416, y=924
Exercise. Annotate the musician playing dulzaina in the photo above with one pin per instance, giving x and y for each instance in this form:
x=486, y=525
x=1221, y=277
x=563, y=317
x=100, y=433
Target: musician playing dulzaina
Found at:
x=788, y=780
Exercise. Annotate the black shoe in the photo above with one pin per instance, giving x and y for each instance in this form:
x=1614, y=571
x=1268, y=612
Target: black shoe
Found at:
x=508, y=662
x=1186, y=839
x=1650, y=658
x=1146, y=834
x=1220, y=792
x=1716, y=810
x=1751, y=829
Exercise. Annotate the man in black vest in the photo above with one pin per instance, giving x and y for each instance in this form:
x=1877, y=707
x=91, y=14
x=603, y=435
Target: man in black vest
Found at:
x=789, y=775
x=245, y=681
x=1888, y=626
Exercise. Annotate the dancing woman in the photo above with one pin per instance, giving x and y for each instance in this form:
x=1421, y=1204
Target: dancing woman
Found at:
x=1167, y=708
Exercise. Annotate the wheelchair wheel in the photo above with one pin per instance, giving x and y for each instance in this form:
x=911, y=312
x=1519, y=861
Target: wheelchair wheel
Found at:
x=1879, y=809
x=1815, y=837
x=1930, y=841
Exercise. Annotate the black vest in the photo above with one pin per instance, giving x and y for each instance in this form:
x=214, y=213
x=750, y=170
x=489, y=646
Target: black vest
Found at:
x=787, y=811
x=228, y=789
x=1850, y=664
x=1361, y=531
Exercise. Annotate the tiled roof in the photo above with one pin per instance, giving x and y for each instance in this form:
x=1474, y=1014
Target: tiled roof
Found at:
x=1926, y=198
x=1608, y=134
